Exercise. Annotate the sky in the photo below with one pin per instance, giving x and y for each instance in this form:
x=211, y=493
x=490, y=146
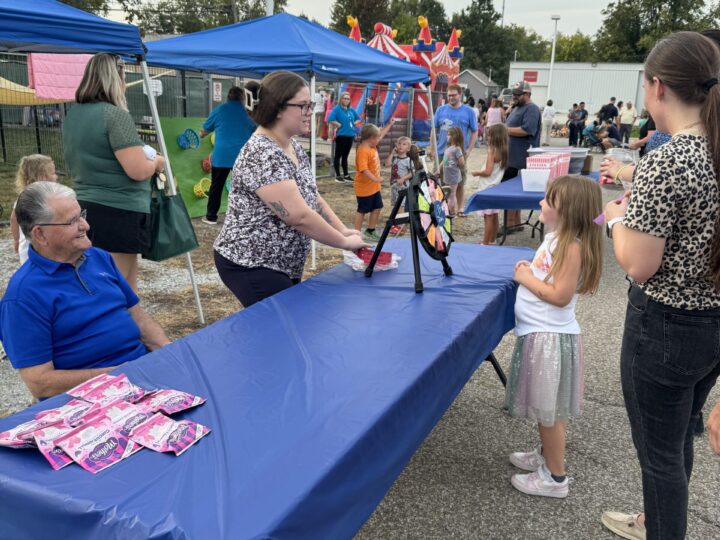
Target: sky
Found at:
x=533, y=14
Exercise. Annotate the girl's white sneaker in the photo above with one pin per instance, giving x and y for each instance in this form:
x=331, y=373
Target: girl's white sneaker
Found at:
x=527, y=461
x=541, y=483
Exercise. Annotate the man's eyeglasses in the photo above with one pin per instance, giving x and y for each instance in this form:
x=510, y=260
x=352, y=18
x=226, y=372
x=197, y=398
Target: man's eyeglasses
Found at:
x=73, y=222
x=305, y=107
x=453, y=95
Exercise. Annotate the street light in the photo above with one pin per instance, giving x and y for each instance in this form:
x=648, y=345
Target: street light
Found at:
x=555, y=18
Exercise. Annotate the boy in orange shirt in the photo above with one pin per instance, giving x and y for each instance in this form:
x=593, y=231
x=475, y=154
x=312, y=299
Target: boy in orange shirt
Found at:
x=367, y=178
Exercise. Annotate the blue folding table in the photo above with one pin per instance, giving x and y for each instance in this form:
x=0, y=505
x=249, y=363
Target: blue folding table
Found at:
x=509, y=195
x=317, y=398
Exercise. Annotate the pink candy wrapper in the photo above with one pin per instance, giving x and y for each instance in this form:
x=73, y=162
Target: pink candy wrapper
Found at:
x=163, y=434
x=116, y=388
x=12, y=437
x=123, y=415
x=169, y=401
x=45, y=441
x=96, y=445
x=81, y=390
x=73, y=411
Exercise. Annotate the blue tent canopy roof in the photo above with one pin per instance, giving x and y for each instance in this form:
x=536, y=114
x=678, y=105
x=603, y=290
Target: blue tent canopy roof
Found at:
x=283, y=41
x=49, y=26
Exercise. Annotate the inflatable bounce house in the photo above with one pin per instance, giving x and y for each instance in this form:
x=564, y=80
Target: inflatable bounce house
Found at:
x=440, y=59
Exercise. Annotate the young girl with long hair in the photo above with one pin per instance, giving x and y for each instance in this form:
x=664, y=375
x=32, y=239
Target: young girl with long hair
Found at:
x=497, y=159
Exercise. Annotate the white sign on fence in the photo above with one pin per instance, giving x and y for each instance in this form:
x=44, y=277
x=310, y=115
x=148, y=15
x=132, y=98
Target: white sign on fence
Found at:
x=217, y=91
x=156, y=85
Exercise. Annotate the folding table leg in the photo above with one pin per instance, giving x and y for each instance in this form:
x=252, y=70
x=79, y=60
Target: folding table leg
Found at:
x=499, y=370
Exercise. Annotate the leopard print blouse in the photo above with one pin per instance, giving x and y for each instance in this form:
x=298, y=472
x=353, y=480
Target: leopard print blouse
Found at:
x=675, y=196
x=252, y=235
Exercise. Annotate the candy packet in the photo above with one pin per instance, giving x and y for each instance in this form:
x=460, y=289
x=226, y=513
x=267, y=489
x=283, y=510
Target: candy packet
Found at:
x=169, y=401
x=123, y=415
x=45, y=441
x=163, y=434
x=81, y=390
x=96, y=445
x=12, y=437
x=73, y=411
x=116, y=388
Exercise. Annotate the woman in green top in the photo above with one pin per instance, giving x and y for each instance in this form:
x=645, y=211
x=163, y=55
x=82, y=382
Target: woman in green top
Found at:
x=108, y=164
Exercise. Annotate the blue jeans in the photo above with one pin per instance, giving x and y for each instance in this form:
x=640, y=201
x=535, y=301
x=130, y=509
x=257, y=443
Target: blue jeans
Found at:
x=670, y=361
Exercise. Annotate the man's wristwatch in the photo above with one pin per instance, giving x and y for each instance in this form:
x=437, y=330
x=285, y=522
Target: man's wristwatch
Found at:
x=612, y=223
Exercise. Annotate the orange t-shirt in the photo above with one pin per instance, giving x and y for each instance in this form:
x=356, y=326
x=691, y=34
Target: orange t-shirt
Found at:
x=366, y=159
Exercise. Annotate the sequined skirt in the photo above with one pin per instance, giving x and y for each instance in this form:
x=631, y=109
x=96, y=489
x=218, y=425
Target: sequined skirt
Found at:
x=546, y=377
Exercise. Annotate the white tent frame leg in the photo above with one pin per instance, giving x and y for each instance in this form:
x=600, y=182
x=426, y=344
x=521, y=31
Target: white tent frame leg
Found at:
x=433, y=133
x=313, y=166
x=171, y=180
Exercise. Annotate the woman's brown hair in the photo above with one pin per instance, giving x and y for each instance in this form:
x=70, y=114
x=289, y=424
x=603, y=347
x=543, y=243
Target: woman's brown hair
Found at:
x=273, y=94
x=688, y=63
x=578, y=201
x=103, y=81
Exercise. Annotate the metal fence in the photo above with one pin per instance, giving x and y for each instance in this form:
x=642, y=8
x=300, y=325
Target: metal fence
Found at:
x=29, y=129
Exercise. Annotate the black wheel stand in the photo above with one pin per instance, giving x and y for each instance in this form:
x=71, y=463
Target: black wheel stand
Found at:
x=403, y=219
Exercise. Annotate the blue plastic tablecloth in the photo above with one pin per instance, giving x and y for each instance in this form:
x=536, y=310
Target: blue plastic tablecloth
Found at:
x=508, y=195
x=316, y=397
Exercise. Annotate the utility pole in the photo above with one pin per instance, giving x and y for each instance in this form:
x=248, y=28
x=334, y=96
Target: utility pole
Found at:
x=502, y=17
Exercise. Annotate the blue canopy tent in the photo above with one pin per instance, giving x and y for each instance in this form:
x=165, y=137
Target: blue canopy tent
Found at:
x=52, y=27
x=282, y=42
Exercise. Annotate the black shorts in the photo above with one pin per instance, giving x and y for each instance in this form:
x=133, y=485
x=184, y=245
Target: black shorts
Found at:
x=369, y=203
x=116, y=230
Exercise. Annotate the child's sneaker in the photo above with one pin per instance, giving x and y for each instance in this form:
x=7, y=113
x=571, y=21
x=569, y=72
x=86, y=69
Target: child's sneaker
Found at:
x=371, y=236
x=527, y=461
x=540, y=483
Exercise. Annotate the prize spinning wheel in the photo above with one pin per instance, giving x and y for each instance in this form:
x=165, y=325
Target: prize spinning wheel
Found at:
x=430, y=217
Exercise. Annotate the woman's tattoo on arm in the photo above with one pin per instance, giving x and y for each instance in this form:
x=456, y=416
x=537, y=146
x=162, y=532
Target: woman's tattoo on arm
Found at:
x=323, y=215
x=279, y=209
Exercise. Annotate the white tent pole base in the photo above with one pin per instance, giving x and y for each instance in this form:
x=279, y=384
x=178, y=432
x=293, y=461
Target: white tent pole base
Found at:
x=313, y=258
x=196, y=292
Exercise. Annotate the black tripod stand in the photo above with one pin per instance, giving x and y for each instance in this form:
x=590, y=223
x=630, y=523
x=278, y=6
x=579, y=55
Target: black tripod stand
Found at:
x=416, y=233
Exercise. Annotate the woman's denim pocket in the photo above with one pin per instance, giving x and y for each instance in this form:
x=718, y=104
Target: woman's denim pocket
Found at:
x=637, y=299
x=691, y=343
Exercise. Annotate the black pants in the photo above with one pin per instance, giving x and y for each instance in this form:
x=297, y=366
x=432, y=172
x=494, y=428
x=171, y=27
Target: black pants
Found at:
x=625, y=132
x=250, y=285
x=219, y=175
x=343, y=145
x=669, y=362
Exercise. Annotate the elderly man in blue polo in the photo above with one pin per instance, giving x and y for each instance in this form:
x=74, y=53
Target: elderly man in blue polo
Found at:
x=68, y=314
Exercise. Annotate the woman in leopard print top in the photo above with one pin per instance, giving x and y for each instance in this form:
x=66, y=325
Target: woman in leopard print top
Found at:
x=667, y=240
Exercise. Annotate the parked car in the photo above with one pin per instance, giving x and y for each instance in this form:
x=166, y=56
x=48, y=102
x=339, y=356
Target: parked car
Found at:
x=506, y=97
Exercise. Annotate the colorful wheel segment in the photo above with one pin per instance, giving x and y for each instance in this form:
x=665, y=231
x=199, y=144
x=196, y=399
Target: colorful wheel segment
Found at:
x=432, y=220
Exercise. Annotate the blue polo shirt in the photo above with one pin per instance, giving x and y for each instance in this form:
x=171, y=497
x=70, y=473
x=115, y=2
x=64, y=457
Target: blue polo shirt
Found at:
x=233, y=128
x=76, y=316
x=346, y=118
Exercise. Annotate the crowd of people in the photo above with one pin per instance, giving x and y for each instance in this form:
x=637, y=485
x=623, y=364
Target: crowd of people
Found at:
x=72, y=311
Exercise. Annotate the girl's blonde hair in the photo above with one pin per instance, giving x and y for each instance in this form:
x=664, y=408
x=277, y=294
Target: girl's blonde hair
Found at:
x=498, y=142
x=403, y=139
x=455, y=137
x=578, y=201
x=103, y=81
x=31, y=169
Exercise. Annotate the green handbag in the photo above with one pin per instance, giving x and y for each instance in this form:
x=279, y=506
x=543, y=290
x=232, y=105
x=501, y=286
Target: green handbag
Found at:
x=172, y=230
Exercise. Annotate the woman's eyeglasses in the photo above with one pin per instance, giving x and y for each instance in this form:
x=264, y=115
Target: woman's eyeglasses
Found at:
x=304, y=107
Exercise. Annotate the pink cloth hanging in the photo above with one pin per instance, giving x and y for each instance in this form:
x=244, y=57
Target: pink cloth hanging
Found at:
x=56, y=76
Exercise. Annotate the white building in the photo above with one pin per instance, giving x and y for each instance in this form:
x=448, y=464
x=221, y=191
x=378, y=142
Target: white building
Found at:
x=573, y=82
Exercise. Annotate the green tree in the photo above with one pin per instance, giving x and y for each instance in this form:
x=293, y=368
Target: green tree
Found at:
x=368, y=12
x=186, y=16
x=632, y=27
x=576, y=47
x=404, y=18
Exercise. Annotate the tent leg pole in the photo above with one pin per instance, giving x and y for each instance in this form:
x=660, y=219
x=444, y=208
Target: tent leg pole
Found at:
x=170, y=178
x=313, y=164
x=433, y=133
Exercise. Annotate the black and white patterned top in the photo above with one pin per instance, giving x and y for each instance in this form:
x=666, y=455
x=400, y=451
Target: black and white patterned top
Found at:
x=252, y=235
x=675, y=196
